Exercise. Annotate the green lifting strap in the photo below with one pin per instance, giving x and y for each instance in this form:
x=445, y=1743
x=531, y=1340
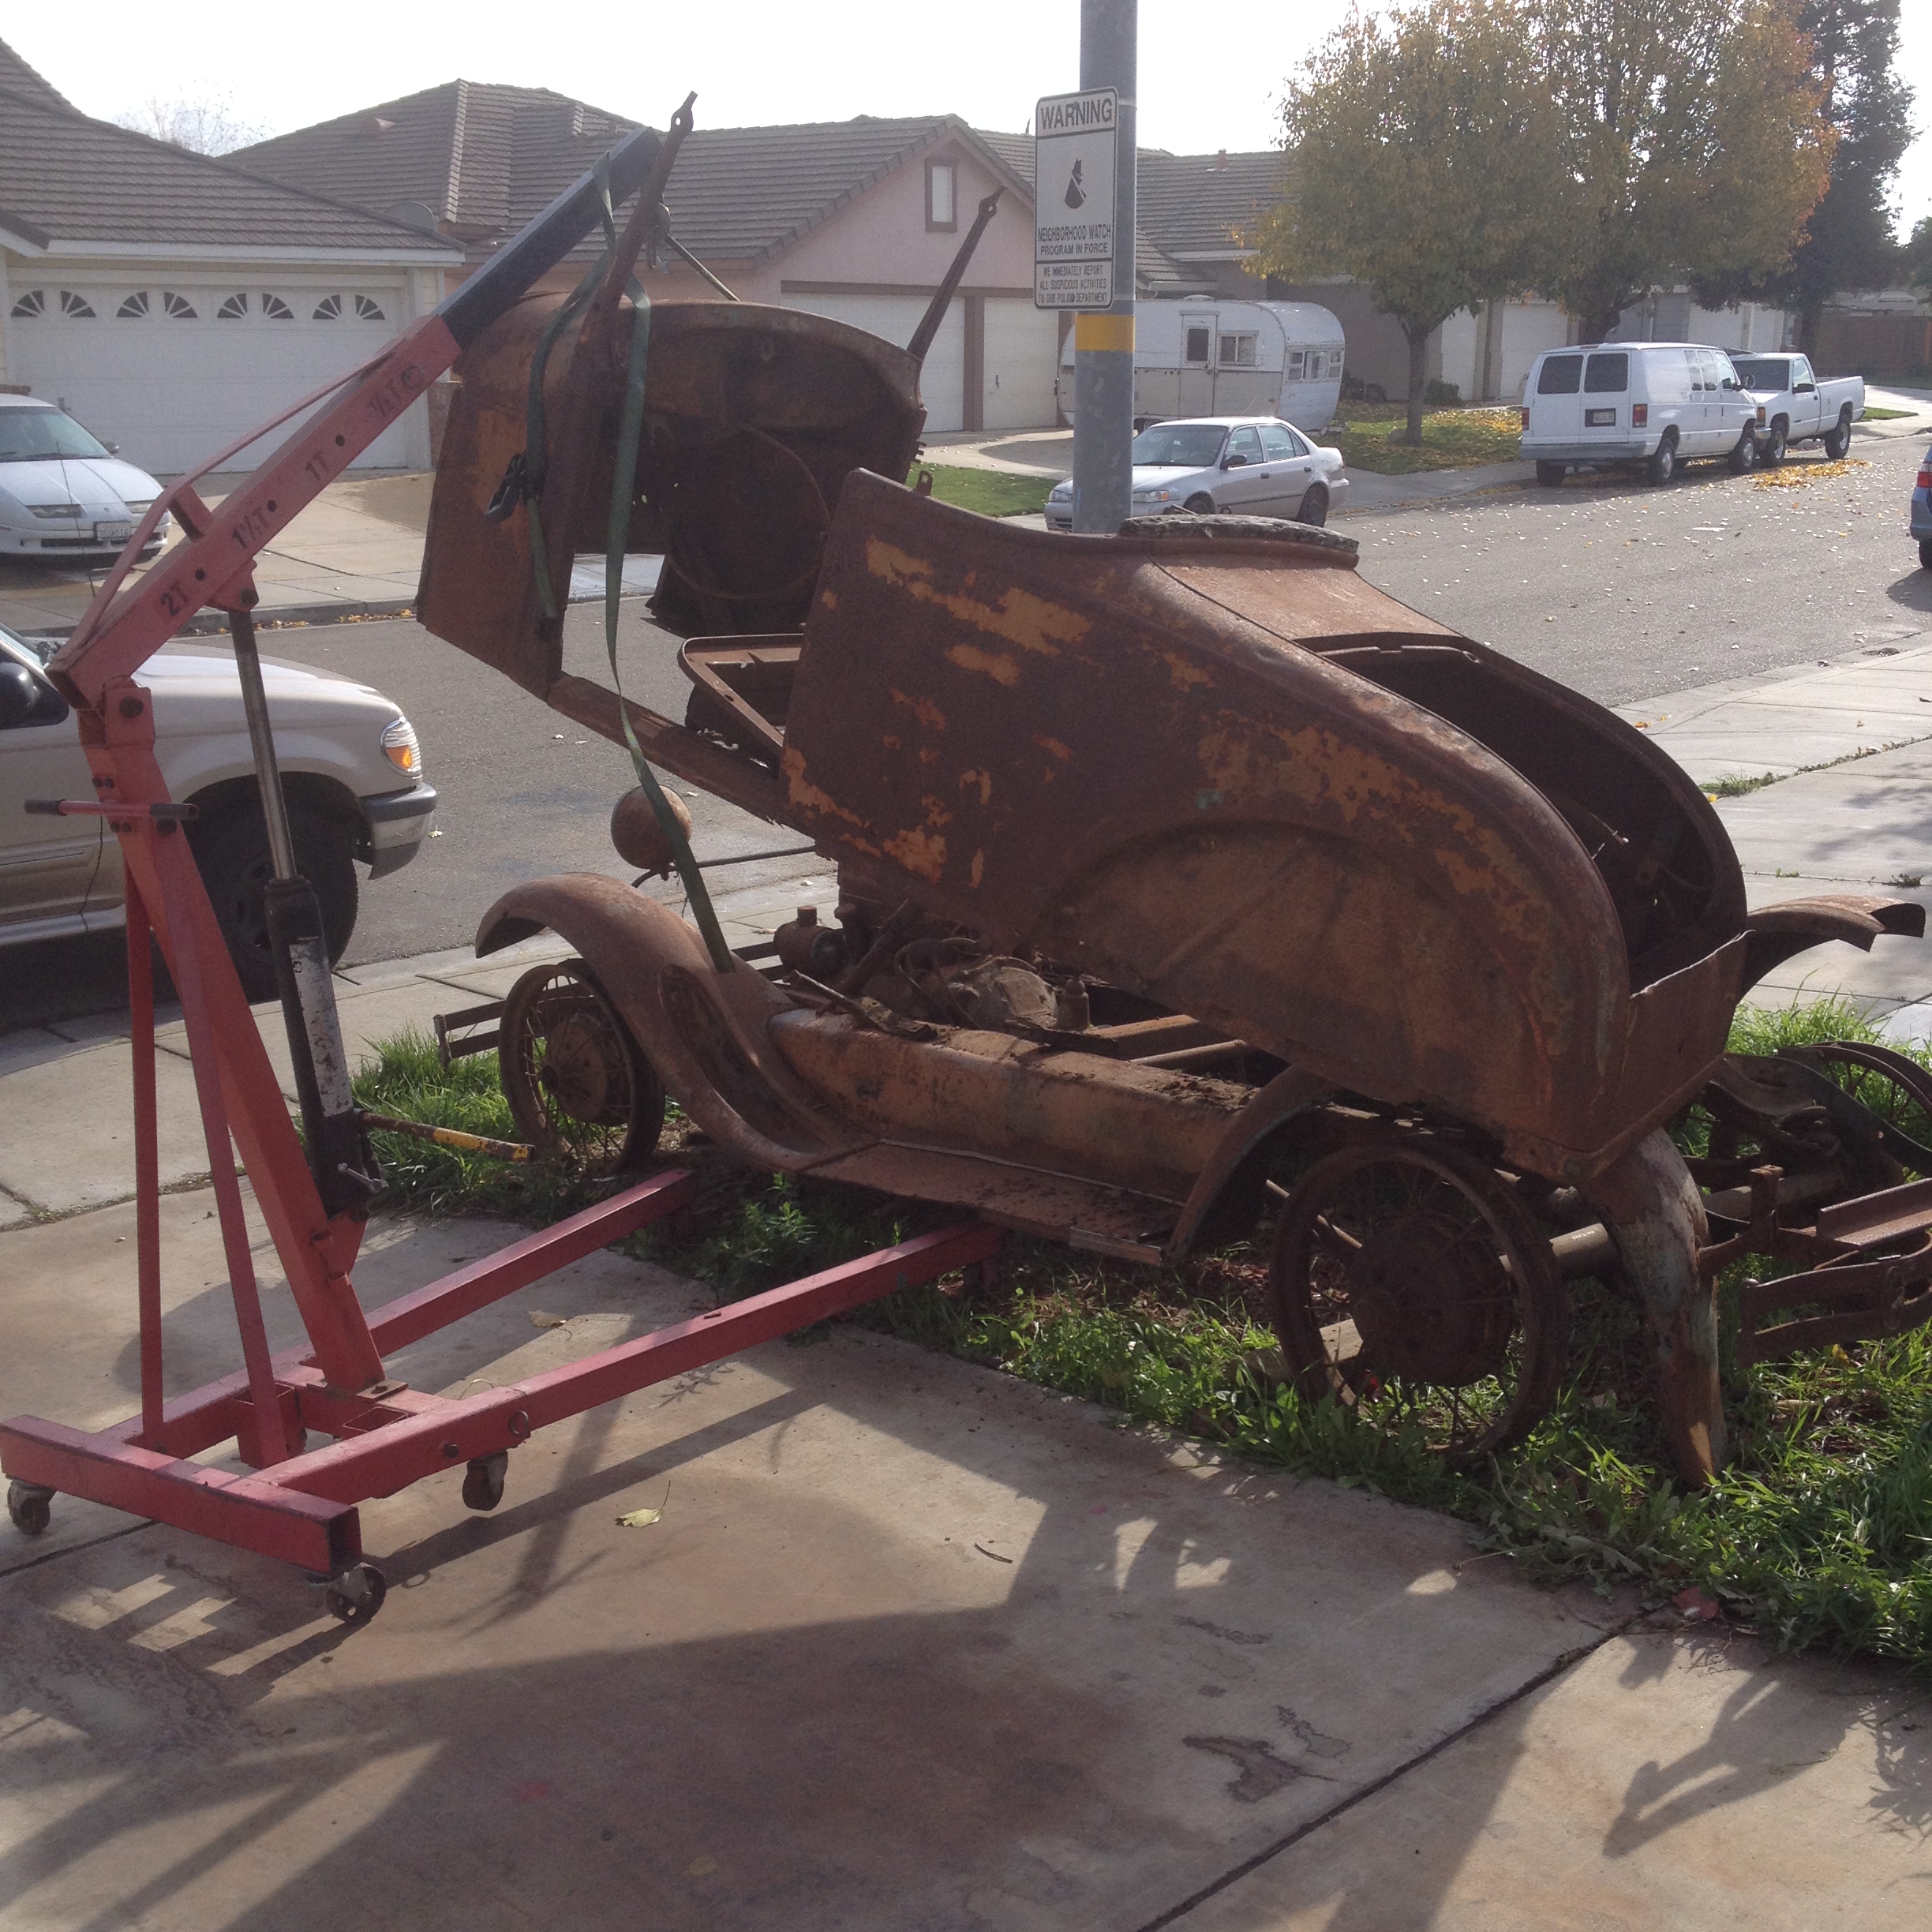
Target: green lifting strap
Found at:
x=624, y=487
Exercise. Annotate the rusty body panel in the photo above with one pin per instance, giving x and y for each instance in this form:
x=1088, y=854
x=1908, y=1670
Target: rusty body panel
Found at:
x=1061, y=742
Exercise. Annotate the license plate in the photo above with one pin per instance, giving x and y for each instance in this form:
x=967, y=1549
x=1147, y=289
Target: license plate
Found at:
x=114, y=533
x=1600, y=419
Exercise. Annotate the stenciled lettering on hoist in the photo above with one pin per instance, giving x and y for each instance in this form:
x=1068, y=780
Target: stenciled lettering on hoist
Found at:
x=397, y=393
x=250, y=530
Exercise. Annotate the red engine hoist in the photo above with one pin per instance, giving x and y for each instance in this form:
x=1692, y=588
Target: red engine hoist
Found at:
x=293, y=1502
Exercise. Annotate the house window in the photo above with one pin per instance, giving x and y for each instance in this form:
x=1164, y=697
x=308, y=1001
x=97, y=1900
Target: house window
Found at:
x=32, y=303
x=368, y=309
x=941, y=194
x=134, y=308
x=233, y=308
x=1238, y=351
x=1198, y=340
x=179, y=308
x=328, y=310
x=78, y=306
x=276, y=310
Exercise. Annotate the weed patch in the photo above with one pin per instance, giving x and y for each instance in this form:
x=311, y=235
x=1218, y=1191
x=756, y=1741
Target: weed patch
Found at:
x=1818, y=1533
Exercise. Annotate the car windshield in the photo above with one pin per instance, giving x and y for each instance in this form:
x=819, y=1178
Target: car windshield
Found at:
x=1178, y=446
x=1756, y=374
x=34, y=435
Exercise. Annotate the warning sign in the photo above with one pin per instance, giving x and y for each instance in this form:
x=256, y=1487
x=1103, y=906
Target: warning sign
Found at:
x=1074, y=138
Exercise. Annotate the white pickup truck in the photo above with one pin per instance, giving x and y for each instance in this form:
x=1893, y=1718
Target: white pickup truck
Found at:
x=1794, y=407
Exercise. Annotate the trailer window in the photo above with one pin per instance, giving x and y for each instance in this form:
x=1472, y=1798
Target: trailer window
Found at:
x=1607, y=375
x=1297, y=361
x=1197, y=342
x=1560, y=375
x=1238, y=351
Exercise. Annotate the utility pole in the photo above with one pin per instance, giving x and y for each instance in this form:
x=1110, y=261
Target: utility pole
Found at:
x=1104, y=343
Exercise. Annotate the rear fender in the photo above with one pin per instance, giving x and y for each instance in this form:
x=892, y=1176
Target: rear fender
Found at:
x=1229, y=1194
x=703, y=1032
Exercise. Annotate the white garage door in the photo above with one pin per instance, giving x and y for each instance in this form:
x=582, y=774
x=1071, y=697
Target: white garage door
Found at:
x=174, y=373
x=1021, y=345
x=942, y=382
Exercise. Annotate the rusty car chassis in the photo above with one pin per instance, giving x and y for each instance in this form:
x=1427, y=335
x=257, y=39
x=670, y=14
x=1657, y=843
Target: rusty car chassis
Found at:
x=1184, y=877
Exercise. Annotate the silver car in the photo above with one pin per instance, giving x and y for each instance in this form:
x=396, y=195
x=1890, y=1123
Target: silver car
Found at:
x=1249, y=465
x=351, y=766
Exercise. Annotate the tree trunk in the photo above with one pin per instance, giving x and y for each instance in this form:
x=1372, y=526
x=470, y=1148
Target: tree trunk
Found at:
x=1601, y=326
x=1418, y=337
x=1811, y=317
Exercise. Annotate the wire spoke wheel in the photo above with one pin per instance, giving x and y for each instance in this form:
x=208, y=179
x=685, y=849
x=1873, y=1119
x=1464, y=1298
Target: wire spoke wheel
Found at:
x=1412, y=1287
x=580, y=1091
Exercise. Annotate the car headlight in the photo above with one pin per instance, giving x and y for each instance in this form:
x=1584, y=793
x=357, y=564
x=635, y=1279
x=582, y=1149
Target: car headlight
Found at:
x=1060, y=492
x=1151, y=496
x=400, y=747
x=68, y=510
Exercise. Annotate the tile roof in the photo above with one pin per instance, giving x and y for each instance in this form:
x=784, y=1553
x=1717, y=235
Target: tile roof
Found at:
x=18, y=77
x=72, y=179
x=484, y=159
x=1192, y=205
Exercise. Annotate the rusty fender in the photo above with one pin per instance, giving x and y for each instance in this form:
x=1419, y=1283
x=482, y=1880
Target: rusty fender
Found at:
x=1656, y=1218
x=703, y=1032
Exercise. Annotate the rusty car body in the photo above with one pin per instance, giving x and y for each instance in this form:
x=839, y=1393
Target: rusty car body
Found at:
x=1170, y=862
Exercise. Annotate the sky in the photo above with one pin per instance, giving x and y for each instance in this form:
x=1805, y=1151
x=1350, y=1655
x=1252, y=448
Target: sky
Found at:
x=753, y=62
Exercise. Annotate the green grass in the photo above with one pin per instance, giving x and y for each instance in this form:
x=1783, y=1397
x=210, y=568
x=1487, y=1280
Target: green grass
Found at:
x=1884, y=415
x=1818, y=1533
x=992, y=493
x=1367, y=434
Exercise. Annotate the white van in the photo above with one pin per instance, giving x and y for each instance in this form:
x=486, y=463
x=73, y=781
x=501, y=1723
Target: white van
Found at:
x=1659, y=404
x=1228, y=358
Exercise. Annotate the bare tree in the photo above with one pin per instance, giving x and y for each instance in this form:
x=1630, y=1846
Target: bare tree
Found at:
x=207, y=126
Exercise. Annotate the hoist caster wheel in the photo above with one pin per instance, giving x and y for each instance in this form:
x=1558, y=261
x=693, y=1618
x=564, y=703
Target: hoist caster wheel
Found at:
x=355, y=1596
x=483, y=1480
x=31, y=1507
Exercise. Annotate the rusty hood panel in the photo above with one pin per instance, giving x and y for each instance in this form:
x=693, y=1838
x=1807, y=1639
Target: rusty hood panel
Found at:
x=1191, y=767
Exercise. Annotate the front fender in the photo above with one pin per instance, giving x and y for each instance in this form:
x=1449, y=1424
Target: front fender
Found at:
x=703, y=1032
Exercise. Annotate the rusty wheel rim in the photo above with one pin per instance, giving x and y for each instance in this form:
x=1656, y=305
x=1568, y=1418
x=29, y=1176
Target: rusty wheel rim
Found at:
x=579, y=1090
x=1413, y=1288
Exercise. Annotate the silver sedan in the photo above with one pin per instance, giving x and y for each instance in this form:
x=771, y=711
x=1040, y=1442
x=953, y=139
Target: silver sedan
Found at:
x=1249, y=465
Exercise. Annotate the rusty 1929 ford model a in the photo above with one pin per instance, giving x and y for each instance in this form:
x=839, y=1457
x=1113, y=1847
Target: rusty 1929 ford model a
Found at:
x=1175, y=866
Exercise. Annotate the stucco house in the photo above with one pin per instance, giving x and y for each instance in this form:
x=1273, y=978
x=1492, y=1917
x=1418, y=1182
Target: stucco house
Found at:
x=171, y=301
x=855, y=220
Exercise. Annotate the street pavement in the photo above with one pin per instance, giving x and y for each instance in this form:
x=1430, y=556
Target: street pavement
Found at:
x=910, y=1645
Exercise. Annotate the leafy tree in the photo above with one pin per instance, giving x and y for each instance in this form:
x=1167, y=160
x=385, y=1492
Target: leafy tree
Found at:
x=208, y=125
x=1848, y=239
x=1692, y=142
x=1917, y=259
x=1420, y=152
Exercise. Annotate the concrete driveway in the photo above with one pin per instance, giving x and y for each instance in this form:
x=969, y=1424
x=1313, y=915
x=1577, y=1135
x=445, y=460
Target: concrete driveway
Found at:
x=911, y=1644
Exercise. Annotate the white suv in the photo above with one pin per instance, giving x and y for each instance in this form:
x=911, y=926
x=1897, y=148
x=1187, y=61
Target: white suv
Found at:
x=1659, y=404
x=351, y=769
